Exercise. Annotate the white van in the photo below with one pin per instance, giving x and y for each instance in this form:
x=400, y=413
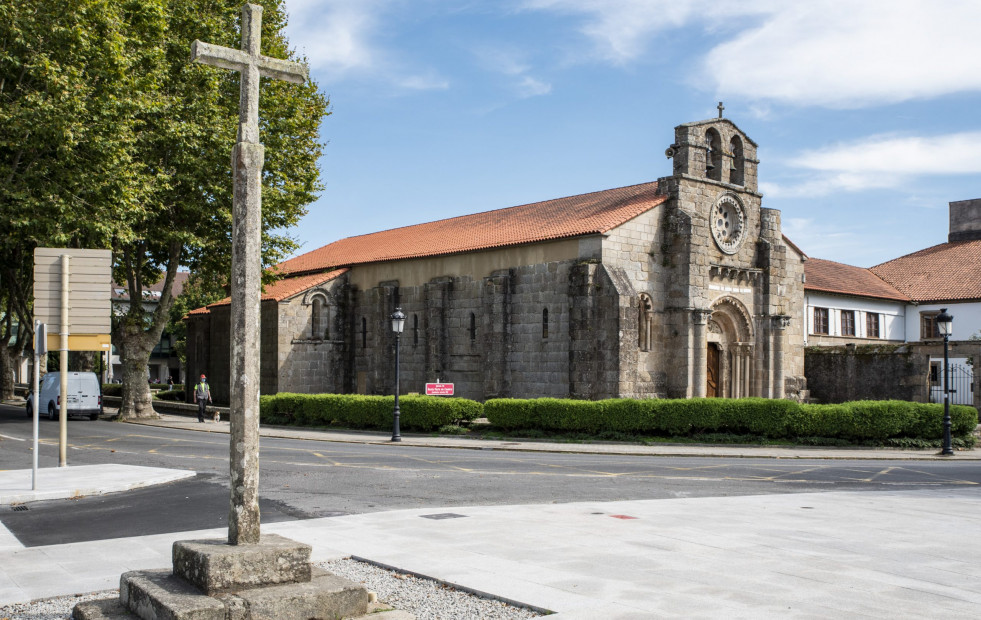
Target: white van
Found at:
x=84, y=395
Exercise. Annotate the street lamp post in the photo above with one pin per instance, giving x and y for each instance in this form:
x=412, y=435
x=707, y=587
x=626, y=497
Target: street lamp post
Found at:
x=398, y=323
x=945, y=325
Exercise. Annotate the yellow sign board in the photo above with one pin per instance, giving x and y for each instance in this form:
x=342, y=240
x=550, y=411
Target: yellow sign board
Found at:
x=81, y=342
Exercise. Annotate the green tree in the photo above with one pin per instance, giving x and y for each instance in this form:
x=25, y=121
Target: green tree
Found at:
x=185, y=137
x=110, y=137
x=68, y=100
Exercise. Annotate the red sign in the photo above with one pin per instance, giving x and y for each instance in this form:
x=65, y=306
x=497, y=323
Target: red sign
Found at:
x=439, y=389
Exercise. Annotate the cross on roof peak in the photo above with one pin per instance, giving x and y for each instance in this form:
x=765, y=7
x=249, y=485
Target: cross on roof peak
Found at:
x=721, y=108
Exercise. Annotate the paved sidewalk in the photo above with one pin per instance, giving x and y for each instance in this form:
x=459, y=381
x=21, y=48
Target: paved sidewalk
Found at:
x=911, y=554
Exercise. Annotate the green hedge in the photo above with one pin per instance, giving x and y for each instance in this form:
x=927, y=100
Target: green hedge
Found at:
x=775, y=419
x=175, y=394
x=423, y=413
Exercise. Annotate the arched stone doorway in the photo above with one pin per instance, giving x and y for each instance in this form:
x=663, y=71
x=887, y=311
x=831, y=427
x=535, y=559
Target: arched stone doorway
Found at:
x=730, y=345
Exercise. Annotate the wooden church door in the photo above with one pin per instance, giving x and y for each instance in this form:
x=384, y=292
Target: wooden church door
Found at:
x=712, y=374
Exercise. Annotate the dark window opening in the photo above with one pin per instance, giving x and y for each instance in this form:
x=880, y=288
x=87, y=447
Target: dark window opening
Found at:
x=737, y=164
x=364, y=333
x=545, y=323
x=928, y=326
x=415, y=329
x=820, y=321
x=871, y=325
x=473, y=327
x=713, y=157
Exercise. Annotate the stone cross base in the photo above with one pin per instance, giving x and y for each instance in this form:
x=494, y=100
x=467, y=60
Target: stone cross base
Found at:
x=212, y=580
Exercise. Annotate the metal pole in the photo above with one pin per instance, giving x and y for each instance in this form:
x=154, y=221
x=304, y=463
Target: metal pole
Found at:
x=948, y=450
x=396, y=435
x=37, y=399
x=63, y=401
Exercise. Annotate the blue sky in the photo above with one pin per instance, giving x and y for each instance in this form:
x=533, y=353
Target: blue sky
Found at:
x=865, y=113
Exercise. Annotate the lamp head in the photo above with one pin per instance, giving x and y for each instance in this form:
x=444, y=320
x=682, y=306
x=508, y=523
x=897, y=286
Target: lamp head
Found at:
x=398, y=321
x=945, y=323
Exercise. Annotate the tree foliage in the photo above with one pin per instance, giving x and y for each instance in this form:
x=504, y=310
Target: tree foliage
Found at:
x=111, y=137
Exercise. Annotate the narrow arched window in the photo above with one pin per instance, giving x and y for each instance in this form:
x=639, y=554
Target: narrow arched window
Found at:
x=545, y=323
x=317, y=319
x=713, y=156
x=364, y=333
x=737, y=165
x=415, y=329
x=473, y=327
x=645, y=322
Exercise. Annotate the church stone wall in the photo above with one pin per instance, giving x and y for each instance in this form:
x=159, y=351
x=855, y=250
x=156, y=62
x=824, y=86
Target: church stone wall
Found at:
x=300, y=360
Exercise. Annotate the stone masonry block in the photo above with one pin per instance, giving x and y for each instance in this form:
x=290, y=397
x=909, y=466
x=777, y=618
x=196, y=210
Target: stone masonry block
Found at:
x=153, y=594
x=215, y=566
x=325, y=596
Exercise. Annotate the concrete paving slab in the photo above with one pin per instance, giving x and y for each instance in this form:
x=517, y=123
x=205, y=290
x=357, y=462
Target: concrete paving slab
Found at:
x=81, y=480
x=812, y=555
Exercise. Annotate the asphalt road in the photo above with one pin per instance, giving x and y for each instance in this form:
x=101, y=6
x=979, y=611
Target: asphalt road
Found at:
x=306, y=479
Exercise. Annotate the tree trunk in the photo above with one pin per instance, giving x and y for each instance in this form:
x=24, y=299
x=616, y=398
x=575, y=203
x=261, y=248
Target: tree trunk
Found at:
x=7, y=361
x=137, y=401
x=82, y=361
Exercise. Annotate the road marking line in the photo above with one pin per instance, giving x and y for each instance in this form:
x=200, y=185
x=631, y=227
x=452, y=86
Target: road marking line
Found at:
x=14, y=438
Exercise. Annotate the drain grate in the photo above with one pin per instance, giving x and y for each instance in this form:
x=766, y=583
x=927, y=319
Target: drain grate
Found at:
x=20, y=507
x=443, y=515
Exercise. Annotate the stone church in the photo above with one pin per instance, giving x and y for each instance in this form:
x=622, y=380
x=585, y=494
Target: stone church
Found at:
x=683, y=287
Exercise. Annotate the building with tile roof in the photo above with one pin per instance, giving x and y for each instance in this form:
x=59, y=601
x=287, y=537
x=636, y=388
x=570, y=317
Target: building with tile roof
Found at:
x=897, y=302
x=679, y=288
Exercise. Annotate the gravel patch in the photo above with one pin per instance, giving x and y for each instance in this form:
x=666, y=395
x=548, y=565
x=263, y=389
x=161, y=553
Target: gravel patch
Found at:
x=57, y=608
x=427, y=599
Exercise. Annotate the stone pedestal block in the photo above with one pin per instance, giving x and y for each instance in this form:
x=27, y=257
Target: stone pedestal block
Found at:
x=159, y=595
x=214, y=566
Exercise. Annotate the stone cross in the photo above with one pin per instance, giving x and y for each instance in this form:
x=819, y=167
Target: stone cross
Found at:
x=721, y=107
x=247, y=159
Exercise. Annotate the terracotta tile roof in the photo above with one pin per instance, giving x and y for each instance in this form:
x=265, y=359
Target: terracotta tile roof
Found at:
x=280, y=289
x=574, y=216
x=945, y=272
x=830, y=277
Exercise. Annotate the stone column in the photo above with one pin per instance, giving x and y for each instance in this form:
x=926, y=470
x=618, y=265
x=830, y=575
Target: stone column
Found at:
x=737, y=371
x=699, y=343
x=780, y=324
x=747, y=370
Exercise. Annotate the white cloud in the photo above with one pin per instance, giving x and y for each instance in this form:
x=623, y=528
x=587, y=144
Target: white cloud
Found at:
x=511, y=62
x=879, y=162
x=838, y=53
x=623, y=30
x=833, y=53
x=334, y=35
x=531, y=87
x=340, y=40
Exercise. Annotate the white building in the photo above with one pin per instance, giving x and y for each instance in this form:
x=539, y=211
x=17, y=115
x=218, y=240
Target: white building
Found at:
x=899, y=300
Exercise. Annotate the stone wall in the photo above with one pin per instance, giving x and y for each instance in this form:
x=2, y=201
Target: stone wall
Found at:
x=867, y=372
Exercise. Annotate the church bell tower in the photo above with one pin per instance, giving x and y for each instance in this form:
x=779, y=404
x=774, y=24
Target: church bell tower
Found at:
x=733, y=285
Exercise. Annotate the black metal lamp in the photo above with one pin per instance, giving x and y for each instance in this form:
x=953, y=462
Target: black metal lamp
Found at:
x=398, y=324
x=945, y=325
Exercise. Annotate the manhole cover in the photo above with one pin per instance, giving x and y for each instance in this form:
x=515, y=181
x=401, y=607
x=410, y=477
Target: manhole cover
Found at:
x=443, y=515
x=21, y=507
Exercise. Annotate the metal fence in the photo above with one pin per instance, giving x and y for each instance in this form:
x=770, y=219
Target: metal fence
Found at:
x=961, y=384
